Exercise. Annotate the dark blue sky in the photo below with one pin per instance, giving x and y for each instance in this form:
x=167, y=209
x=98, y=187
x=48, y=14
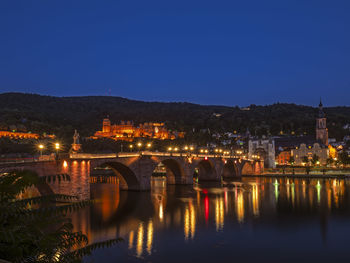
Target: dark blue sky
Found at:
x=208, y=52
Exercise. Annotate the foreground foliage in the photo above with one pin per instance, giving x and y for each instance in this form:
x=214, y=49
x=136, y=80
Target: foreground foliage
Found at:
x=37, y=229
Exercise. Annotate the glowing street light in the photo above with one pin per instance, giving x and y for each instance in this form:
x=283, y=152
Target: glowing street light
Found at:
x=186, y=148
x=41, y=147
x=176, y=149
x=191, y=148
x=57, y=147
x=170, y=149
x=130, y=147
x=149, y=145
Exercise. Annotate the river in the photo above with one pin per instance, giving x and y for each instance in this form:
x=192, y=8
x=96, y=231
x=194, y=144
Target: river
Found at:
x=251, y=220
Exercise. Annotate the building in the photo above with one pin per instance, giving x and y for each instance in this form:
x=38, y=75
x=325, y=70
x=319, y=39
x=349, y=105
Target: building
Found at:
x=127, y=131
x=308, y=146
x=264, y=148
x=19, y=135
x=283, y=158
x=321, y=151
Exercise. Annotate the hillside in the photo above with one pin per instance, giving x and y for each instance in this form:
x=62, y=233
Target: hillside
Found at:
x=61, y=115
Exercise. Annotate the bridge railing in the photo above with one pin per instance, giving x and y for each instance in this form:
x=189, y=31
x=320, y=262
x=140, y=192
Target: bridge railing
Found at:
x=149, y=153
x=44, y=158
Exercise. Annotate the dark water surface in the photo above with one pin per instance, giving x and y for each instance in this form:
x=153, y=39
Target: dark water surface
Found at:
x=254, y=220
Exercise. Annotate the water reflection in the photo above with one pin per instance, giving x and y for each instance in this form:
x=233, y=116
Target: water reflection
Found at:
x=148, y=221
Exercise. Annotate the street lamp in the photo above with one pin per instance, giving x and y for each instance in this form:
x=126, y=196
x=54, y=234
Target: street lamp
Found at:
x=176, y=149
x=170, y=149
x=139, y=145
x=57, y=147
x=130, y=147
x=149, y=145
x=41, y=147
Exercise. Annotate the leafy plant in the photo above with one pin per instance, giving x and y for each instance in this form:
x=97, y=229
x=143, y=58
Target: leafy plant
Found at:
x=38, y=229
x=314, y=159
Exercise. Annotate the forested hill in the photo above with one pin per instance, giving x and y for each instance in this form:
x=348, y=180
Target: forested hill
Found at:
x=61, y=115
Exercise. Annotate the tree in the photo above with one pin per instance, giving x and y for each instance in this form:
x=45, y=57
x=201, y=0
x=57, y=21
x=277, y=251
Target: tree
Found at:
x=305, y=160
x=330, y=161
x=344, y=158
x=315, y=160
x=37, y=229
x=291, y=160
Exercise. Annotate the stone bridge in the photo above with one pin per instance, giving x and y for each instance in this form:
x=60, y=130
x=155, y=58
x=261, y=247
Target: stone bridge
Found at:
x=134, y=170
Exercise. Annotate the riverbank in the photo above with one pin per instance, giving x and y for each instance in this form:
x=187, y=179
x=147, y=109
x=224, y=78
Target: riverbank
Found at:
x=301, y=175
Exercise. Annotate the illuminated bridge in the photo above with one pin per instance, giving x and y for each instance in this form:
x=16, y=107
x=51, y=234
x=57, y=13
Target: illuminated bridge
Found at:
x=134, y=170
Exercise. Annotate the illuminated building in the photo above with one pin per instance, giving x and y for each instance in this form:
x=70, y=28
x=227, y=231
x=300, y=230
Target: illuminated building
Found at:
x=263, y=148
x=308, y=146
x=309, y=151
x=19, y=135
x=283, y=158
x=126, y=131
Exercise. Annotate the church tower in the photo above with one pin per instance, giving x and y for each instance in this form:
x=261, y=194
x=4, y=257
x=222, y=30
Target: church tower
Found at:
x=321, y=126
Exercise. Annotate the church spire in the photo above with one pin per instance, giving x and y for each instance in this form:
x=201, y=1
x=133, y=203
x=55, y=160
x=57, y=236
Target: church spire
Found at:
x=320, y=110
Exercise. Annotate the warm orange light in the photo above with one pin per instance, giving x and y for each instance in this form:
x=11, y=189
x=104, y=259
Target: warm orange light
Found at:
x=57, y=146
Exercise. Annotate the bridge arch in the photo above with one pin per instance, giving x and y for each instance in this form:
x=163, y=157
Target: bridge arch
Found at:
x=230, y=169
x=206, y=170
x=248, y=168
x=127, y=178
x=174, y=169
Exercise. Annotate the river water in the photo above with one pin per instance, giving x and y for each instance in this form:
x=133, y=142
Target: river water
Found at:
x=252, y=220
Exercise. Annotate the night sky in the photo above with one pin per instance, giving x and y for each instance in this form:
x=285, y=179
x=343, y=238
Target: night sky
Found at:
x=207, y=52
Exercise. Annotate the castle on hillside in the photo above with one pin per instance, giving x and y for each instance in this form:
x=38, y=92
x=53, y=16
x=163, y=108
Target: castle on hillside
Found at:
x=127, y=131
